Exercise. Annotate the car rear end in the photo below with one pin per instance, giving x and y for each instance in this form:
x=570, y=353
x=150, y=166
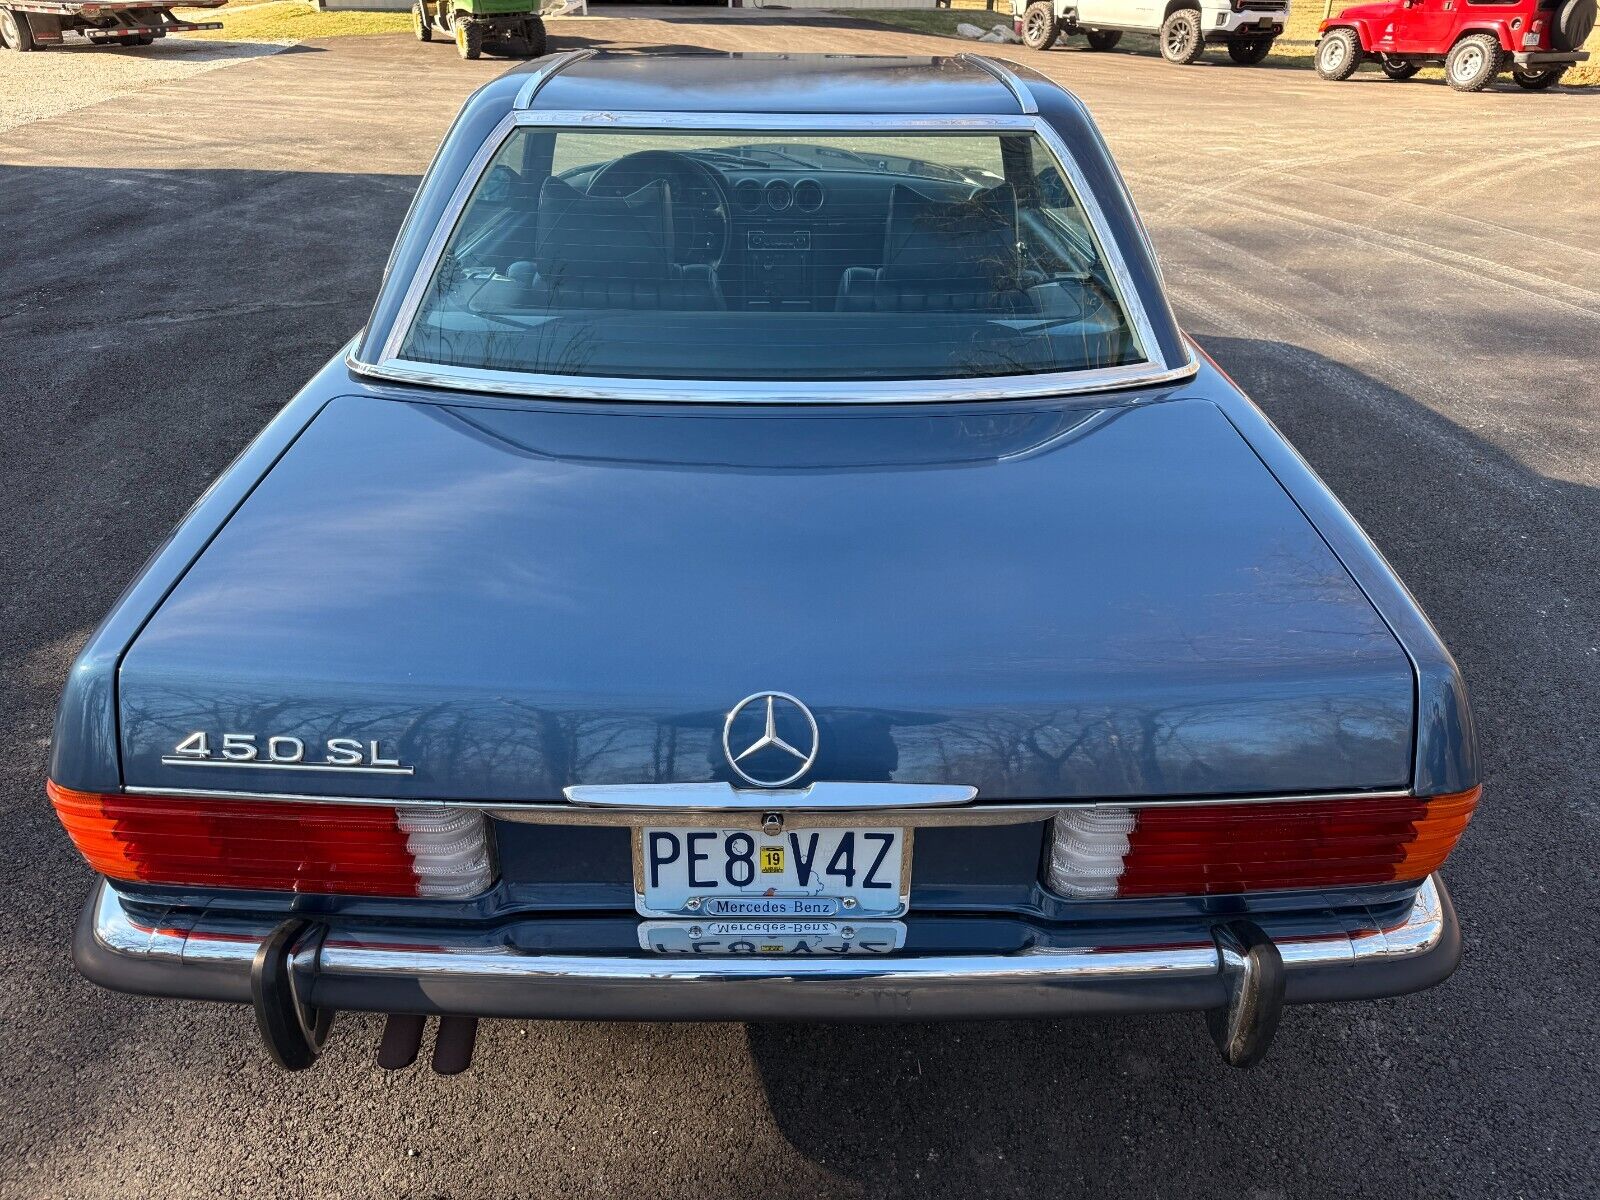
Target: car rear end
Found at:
x=1189, y=779
x=494, y=680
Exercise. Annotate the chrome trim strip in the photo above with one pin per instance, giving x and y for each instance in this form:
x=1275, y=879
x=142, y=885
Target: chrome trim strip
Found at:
x=1008, y=78
x=441, y=234
x=1148, y=373
x=542, y=75
x=171, y=760
x=726, y=797
x=385, y=951
x=723, y=391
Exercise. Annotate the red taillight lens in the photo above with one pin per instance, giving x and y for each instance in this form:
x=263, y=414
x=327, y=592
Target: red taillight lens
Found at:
x=351, y=849
x=1212, y=849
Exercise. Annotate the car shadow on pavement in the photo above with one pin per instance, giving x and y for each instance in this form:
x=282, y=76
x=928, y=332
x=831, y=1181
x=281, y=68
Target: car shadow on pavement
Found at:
x=1428, y=1094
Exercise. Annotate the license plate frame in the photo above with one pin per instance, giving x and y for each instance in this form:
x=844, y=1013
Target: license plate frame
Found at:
x=838, y=911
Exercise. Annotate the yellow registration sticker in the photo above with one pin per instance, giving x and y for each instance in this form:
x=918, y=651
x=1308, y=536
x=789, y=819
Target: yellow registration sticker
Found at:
x=772, y=860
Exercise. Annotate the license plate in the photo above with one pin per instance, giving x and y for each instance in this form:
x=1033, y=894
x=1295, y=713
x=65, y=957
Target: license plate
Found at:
x=772, y=938
x=800, y=874
x=1265, y=23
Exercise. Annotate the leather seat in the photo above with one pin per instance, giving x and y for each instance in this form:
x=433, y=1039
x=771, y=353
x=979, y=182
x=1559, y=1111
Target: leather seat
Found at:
x=943, y=256
x=612, y=252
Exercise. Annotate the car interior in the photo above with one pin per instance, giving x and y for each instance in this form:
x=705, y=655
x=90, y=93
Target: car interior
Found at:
x=802, y=258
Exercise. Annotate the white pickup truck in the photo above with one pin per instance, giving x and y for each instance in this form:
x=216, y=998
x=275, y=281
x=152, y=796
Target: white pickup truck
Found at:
x=1182, y=28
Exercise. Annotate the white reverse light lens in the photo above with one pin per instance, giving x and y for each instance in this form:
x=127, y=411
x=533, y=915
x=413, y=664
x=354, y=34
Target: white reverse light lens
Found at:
x=449, y=851
x=1087, y=849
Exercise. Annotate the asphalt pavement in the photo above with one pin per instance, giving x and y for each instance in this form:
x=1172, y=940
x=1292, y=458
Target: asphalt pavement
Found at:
x=1406, y=280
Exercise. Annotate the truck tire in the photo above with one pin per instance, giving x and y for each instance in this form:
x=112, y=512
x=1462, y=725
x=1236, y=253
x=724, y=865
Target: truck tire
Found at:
x=1181, y=39
x=14, y=32
x=421, y=22
x=1537, y=81
x=1039, y=27
x=1473, y=62
x=1574, y=23
x=1399, y=68
x=1102, y=39
x=1339, y=54
x=1247, y=52
x=469, y=37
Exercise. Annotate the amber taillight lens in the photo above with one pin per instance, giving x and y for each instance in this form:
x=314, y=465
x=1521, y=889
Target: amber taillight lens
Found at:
x=1217, y=849
x=276, y=845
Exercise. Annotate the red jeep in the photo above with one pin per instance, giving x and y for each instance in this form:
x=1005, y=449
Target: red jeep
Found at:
x=1475, y=39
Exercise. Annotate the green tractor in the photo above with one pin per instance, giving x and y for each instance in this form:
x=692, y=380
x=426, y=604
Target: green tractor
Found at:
x=507, y=27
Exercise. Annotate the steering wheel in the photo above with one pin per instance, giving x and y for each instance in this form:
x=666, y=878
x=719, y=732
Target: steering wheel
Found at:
x=700, y=206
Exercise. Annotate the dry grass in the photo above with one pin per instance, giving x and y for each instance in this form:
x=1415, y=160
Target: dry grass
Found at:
x=296, y=21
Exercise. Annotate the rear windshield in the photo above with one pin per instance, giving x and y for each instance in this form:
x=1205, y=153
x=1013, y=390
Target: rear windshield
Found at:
x=752, y=256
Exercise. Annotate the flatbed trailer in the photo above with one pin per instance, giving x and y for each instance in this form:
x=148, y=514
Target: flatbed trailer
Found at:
x=40, y=24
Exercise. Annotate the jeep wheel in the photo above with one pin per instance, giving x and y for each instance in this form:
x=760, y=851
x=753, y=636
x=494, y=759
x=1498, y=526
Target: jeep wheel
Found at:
x=421, y=22
x=1247, y=52
x=1399, y=68
x=469, y=37
x=1039, y=28
x=1537, y=81
x=1181, y=39
x=14, y=32
x=1473, y=62
x=1339, y=54
x=1103, y=39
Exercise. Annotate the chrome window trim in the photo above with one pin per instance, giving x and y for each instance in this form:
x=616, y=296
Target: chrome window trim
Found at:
x=1148, y=372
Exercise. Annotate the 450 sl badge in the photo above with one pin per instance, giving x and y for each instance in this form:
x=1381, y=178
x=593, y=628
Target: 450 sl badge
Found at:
x=283, y=753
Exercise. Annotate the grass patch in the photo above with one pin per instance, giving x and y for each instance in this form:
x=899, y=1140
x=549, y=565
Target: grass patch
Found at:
x=296, y=21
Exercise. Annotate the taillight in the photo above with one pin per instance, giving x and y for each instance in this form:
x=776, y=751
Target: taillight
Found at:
x=280, y=845
x=1211, y=849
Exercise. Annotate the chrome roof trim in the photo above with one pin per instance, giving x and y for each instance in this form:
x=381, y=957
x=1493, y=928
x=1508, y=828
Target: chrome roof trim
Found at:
x=1146, y=373
x=542, y=74
x=1010, y=79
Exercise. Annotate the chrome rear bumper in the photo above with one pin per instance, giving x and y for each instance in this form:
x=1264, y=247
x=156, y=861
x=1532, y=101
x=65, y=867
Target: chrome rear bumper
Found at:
x=481, y=973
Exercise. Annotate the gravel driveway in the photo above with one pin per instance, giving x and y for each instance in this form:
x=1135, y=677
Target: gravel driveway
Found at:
x=34, y=86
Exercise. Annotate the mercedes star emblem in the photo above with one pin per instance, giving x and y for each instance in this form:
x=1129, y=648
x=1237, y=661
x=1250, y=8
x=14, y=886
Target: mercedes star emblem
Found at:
x=770, y=754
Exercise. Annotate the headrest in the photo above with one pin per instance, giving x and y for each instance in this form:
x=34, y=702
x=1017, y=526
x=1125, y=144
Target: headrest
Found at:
x=594, y=238
x=952, y=243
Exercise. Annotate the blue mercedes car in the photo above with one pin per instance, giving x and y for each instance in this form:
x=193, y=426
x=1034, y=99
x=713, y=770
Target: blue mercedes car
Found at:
x=772, y=554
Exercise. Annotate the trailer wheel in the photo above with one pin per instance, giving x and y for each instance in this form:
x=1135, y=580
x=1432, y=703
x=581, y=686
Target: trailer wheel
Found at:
x=1102, y=39
x=1473, y=62
x=1039, y=26
x=1399, y=68
x=1181, y=39
x=144, y=39
x=469, y=37
x=1339, y=54
x=421, y=22
x=14, y=32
